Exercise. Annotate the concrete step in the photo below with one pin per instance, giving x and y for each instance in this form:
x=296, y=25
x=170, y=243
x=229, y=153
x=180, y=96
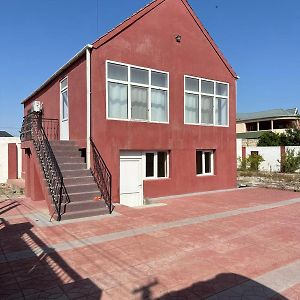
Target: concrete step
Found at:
x=81, y=188
x=85, y=213
x=79, y=180
x=75, y=166
x=69, y=159
x=63, y=153
x=84, y=196
x=55, y=143
x=84, y=205
x=64, y=148
x=75, y=173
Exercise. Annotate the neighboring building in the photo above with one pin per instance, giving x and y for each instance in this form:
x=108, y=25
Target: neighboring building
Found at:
x=158, y=104
x=10, y=157
x=250, y=126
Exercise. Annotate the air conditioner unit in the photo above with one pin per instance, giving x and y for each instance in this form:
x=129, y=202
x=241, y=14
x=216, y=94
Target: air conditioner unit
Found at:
x=36, y=106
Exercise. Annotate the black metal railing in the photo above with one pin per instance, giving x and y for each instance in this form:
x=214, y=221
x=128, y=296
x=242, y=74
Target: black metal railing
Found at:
x=51, y=127
x=102, y=176
x=32, y=129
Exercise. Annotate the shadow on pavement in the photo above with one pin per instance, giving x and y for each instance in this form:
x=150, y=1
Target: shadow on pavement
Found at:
x=30, y=269
x=224, y=286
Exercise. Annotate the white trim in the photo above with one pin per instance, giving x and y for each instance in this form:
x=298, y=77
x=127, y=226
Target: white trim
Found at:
x=129, y=84
x=199, y=94
x=88, y=107
x=212, y=164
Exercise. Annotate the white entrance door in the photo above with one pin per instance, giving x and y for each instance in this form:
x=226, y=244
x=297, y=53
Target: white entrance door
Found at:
x=64, y=110
x=131, y=180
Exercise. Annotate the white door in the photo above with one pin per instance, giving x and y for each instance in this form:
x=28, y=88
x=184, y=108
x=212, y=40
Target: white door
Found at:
x=64, y=110
x=131, y=180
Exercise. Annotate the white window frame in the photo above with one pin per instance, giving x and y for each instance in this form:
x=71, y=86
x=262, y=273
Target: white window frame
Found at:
x=212, y=164
x=199, y=93
x=155, y=165
x=62, y=90
x=128, y=83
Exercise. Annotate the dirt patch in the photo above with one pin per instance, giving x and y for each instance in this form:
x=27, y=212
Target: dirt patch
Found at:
x=267, y=179
x=10, y=191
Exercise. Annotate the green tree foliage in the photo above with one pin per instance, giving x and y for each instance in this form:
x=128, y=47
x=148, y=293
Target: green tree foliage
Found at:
x=290, y=161
x=290, y=138
x=251, y=162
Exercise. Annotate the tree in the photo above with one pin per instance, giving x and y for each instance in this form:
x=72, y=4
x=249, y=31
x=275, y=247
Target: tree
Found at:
x=289, y=138
x=269, y=139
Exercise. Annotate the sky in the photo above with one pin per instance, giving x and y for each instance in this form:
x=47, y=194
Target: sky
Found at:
x=259, y=38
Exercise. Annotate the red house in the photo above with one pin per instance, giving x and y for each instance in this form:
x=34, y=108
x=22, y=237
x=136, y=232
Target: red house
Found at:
x=151, y=108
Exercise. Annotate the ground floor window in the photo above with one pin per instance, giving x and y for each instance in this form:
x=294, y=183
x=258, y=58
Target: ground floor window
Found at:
x=205, y=162
x=156, y=164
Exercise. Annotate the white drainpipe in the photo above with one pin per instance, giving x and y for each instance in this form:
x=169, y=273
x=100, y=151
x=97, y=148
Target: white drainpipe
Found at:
x=88, y=105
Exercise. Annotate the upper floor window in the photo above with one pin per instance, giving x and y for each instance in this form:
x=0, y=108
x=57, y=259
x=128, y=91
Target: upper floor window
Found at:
x=136, y=93
x=205, y=101
x=64, y=99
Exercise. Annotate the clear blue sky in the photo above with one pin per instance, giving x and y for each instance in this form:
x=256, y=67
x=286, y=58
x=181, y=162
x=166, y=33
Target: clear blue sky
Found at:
x=260, y=39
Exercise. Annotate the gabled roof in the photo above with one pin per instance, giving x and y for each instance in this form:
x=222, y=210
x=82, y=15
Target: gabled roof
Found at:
x=152, y=5
x=267, y=114
x=4, y=134
x=124, y=25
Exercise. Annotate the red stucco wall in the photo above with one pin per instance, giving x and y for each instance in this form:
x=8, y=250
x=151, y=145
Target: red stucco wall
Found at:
x=150, y=42
x=50, y=97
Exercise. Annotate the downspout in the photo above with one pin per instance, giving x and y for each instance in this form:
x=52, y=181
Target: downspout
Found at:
x=88, y=105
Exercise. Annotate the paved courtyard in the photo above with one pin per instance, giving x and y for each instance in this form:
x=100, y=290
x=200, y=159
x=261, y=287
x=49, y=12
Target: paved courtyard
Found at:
x=238, y=244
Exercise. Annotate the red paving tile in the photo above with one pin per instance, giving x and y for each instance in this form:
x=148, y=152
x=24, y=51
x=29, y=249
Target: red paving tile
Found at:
x=189, y=262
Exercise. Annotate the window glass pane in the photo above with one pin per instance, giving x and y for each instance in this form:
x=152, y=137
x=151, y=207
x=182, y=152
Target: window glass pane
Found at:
x=191, y=108
x=159, y=105
x=149, y=164
x=222, y=89
x=64, y=83
x=161, y=164
x=221, y=114
x=159, y=79
x=118, y=72
x=207, y=109
x=117, y=100
x=139, y=103
x=207, y=87
x=199, y=162
x=139, y=76
x=191, y=84
x=207, y=162
x=65, y=109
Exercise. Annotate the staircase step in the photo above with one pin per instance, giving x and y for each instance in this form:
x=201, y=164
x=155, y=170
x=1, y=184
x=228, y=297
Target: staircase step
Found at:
x=79, y=180
x=69, y=159
x=84, y=213
x=76, y=166
x=56, y=142
x=75, y=173
x=84, y=205
x=74, y=197
x=63, y=153
x=64, y=148
x=80, y=188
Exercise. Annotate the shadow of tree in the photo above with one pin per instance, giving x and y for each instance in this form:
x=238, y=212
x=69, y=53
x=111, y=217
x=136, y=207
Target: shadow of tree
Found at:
x=223, y=286
x=37, y=271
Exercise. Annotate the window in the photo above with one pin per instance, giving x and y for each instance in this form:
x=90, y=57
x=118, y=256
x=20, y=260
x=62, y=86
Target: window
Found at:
x=156, y=164
x=135, y=93
x=205, y=162
x=206, y=102
x=64, y=98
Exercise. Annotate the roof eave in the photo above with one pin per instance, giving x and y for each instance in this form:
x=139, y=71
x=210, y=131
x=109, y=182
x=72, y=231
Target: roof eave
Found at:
x=59, y=71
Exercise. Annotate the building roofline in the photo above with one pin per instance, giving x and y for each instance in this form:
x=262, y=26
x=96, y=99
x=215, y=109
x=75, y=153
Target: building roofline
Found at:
x=146, y=9
x=59, y=71
x=124, y=25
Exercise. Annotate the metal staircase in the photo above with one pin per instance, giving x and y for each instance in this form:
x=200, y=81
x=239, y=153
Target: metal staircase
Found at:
x=73, y=189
